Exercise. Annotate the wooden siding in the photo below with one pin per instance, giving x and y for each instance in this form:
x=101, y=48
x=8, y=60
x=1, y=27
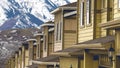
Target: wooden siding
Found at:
x=51, y=43
x=34, y=52
x=16, y=60
x=98, y=15
x=23, y=57
x=38, y=38
x=57, y=43
x=42, y=66
x=86, y=31
x=45, y=41
x=57, y=46
x=26, y=58
x=70, y=32
x=41, y=49
x=66, y=62
x=85, y=34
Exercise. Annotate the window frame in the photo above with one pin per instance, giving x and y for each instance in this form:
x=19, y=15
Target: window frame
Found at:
x=56, y=33
x=88, y=13
x=119, y=4
x=82, y=14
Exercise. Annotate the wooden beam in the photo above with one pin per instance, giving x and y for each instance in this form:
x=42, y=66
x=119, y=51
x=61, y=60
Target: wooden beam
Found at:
x=60, y=54
x=45, y=63
x=70, y=13
x=111, y=24
x=87, y=46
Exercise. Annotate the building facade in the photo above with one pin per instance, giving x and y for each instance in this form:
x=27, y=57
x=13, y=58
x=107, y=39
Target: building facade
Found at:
x=84, y=34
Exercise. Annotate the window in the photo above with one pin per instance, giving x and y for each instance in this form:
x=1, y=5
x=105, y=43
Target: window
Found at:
x=103, y=4
x=58, y=31
x=119, y=4
x=88, y=11
x=82, y=14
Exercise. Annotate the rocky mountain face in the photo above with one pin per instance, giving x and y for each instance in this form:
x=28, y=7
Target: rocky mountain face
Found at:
x=11, y=40
x=27, y=13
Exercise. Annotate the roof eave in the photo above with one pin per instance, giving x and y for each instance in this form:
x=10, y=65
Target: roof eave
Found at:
x=63, y=8
x=87, y=46
x=45, y=63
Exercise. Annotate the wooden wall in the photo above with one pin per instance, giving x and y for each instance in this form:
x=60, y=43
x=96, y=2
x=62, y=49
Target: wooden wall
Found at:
x=86, y=31
x=26, y=57
x=58, y=43
x=45, y=41
x=16, y=60
x=51, y=43
x=66, y=62
x=98, y=15
x=38, y=38
x=41, y=49
x=70, y=32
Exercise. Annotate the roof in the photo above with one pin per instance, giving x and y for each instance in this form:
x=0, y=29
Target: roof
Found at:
x=49, y=59
x=98, y=43
x=68, y=52
x=71, y=6
x=113, y=24
x=92, y=45
x=100, y=40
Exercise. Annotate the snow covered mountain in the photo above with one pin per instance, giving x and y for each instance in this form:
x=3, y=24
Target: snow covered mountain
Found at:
x=27, y=13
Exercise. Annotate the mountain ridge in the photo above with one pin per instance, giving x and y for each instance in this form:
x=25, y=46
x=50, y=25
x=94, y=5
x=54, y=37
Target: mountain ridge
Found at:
x=27, y=13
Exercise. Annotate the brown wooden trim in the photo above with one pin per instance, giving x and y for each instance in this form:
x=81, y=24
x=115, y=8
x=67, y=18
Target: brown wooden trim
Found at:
x=69, y=31
x=103, y=10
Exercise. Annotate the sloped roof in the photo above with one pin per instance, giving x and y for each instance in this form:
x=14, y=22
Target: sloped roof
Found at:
x=70, y=50
x=100, y=40
x=71, y=6
x=49, y=59
x=79, y=50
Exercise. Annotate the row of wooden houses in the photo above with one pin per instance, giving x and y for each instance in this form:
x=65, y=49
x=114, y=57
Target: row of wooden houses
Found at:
x=84, y=34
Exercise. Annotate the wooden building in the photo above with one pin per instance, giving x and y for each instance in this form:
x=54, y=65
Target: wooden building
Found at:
x=25, y=55
x=66, y=34
x=84, y=34
x=114, y=25
x=39, y=50
x=31, y=53
x=46, y=45
x=65, y=27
